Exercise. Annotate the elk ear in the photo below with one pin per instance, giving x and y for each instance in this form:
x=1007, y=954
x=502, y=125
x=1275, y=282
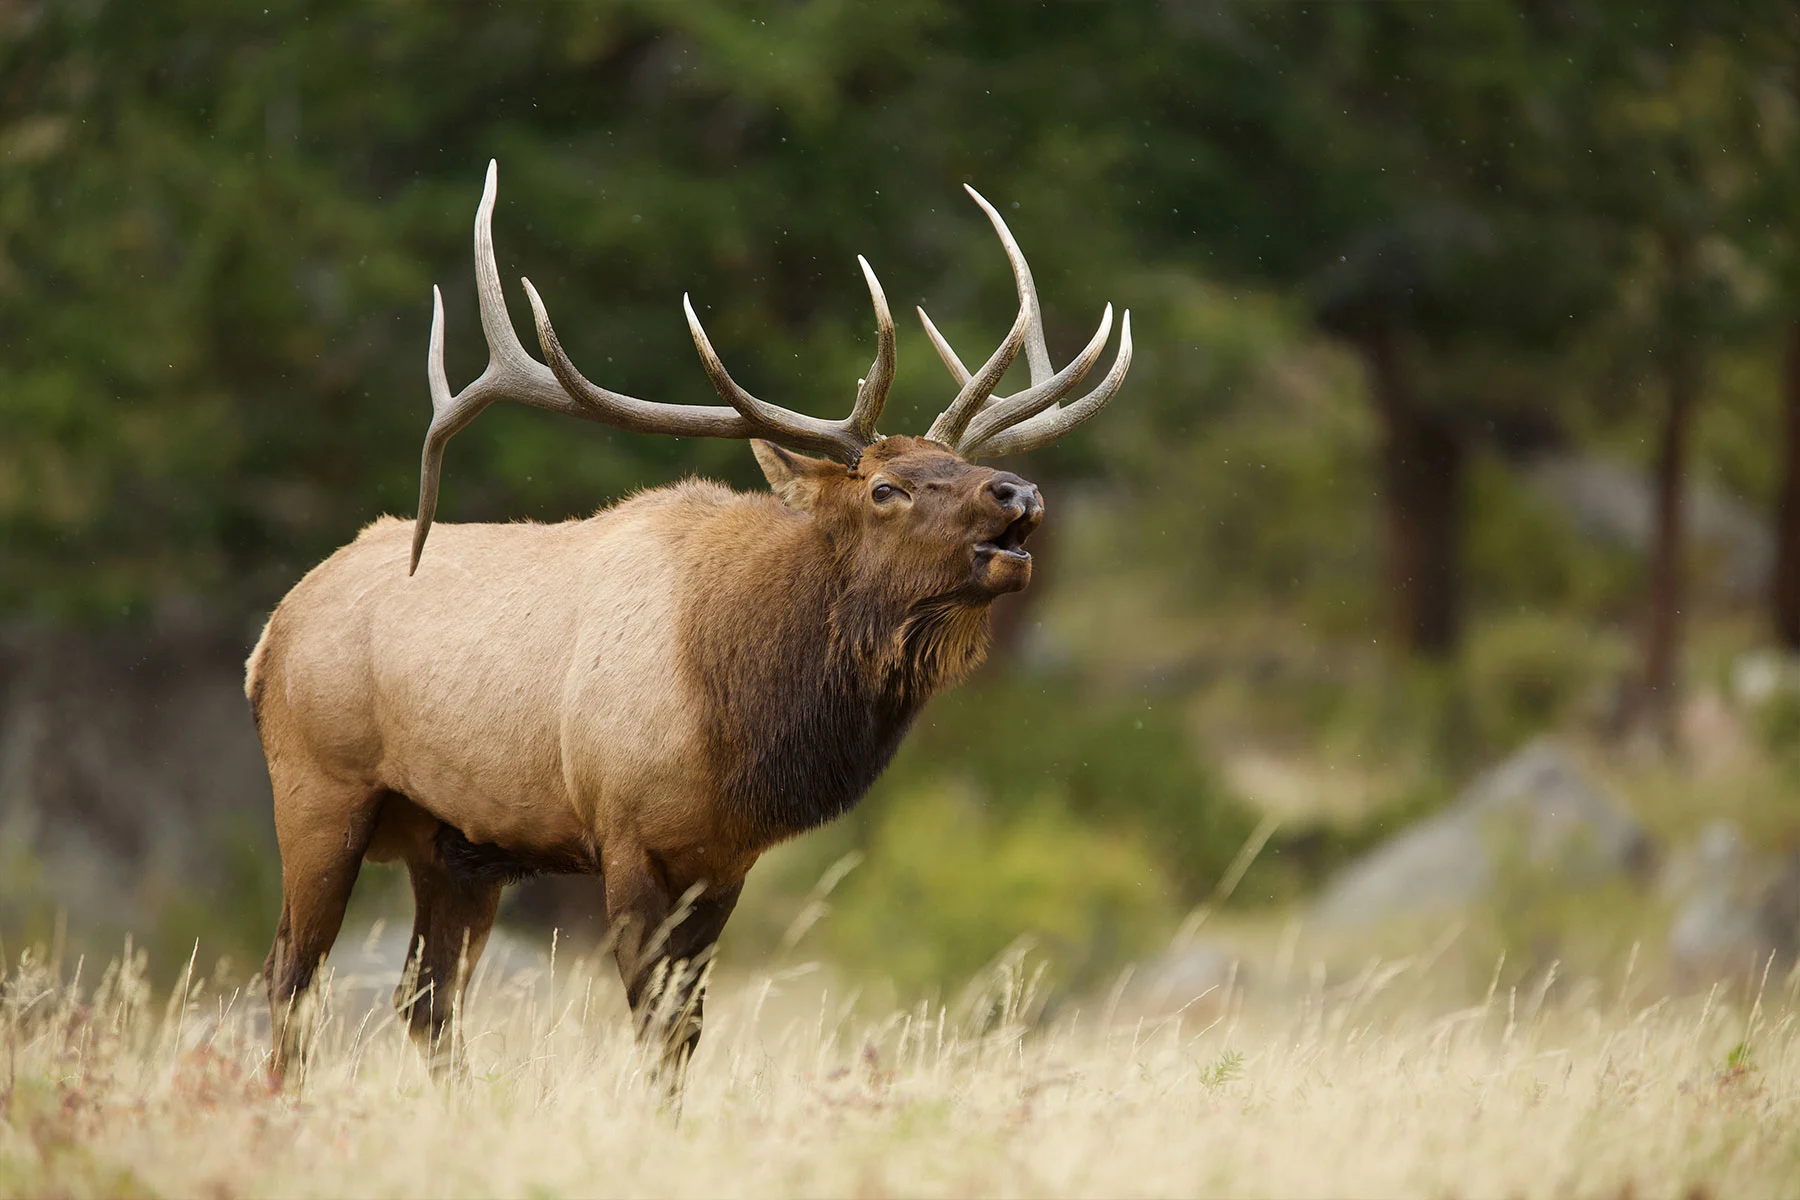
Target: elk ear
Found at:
x=794, y=478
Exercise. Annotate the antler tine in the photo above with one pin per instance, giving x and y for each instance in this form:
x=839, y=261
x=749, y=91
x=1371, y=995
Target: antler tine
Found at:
x=872, y=389
x=844, y=440
x=727, y=387
x=979, y=424
x=976, y=389
x=511, y=373
x=1037, y=354
x=1047, y=426
x=1029, y=326
x=1033, y=400
x=958, y=372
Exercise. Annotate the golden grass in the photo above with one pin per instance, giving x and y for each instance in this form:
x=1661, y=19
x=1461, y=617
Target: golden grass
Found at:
x=1356, y=1088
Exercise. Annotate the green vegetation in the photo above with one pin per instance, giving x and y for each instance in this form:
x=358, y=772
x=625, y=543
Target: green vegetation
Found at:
x=946, y=885
x=1384, y=261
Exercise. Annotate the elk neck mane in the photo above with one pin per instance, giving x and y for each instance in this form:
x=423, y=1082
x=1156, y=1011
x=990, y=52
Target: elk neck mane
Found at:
x=811, y=669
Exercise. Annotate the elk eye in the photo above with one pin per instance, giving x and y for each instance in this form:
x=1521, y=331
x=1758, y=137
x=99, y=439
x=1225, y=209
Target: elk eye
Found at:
x=882, y=492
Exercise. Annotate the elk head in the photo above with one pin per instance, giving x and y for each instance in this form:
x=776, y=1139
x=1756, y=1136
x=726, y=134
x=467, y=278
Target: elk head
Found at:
x=919, y=506
x=915, y=512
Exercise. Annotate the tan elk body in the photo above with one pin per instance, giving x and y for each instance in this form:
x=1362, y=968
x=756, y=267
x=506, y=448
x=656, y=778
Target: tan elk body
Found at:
x=654, y=695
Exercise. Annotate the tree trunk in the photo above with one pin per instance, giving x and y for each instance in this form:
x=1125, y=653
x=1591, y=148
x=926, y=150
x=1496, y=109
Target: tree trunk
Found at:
x=1787, y=515
x=1662, y=628
x=1423, y=460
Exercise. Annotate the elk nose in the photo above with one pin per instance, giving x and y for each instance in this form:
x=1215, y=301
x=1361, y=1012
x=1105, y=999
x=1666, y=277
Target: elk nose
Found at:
x=1016, y=495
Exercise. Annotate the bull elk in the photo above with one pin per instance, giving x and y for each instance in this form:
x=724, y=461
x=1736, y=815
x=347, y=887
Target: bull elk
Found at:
x=654, y=695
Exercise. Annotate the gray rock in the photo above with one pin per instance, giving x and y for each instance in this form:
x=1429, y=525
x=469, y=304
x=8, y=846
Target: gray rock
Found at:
x=131, y=779
x=1763, y=674
x=1184, y=975
x=129, y=773
x=365, y=966
x=1736, y=911
x=1536, y=809
x=1613, y=502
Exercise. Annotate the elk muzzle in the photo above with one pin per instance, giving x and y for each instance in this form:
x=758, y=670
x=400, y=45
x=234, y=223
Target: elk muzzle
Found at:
x=1014, y=508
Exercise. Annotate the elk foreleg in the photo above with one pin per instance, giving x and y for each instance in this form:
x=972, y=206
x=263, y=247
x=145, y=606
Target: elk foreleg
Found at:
x=663, y=934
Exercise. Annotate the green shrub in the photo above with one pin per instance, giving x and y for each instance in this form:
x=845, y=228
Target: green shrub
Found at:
x=1777, y=723
x=1273, y=513
x=1019, y=808
x=1521, y=550
x=1115, y=763
x=1526, y=674
x=948, y=885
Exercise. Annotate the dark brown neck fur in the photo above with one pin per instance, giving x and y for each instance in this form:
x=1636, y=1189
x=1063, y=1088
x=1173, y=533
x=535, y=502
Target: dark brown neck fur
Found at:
x=811, y=675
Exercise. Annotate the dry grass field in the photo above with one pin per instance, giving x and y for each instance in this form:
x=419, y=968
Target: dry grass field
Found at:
x=1355, y=1087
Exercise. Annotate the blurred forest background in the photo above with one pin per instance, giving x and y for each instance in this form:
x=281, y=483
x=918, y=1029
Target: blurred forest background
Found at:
x=1465, y=414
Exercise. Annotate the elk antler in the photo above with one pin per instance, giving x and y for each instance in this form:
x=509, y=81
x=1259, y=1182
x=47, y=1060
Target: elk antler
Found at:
x=794, y=428
x=512, y=374
x=981, y=425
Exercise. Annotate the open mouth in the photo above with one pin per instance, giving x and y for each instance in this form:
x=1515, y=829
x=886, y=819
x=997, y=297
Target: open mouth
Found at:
x=1011, y=540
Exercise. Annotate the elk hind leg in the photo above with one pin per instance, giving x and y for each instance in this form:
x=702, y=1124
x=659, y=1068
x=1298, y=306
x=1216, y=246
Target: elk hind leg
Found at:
x=452, y=917
x=322, y=829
